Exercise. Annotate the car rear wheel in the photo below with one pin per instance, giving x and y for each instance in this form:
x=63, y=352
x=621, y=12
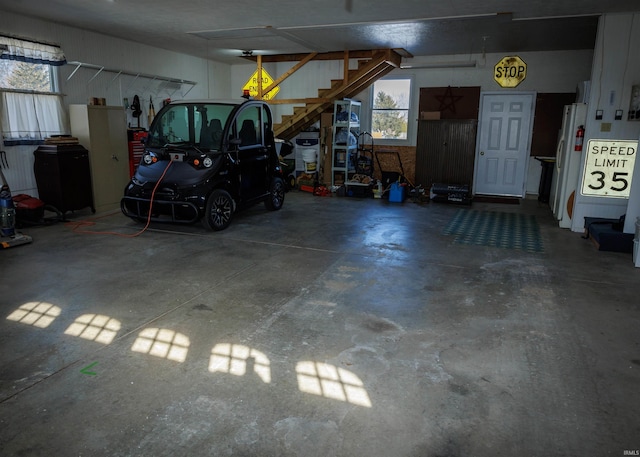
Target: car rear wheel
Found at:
x=218, y=211
x=275, y=200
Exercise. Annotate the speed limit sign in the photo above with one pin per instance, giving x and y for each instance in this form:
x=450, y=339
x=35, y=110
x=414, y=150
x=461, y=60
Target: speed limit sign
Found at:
x=608, y=168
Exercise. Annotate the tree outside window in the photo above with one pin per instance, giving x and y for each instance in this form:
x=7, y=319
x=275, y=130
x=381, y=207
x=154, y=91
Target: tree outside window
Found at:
x=25, y=76
x=390, y=114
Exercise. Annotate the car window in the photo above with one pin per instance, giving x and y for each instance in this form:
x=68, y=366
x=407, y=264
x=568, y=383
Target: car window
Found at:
x=248, y=126
x=209, y=121
x=199, y=124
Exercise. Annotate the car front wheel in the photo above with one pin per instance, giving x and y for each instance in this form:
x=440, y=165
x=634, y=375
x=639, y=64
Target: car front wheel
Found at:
x=218, y=211
x=275, y=200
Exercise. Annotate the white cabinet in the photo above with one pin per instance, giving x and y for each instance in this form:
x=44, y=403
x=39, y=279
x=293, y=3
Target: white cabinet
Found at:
x=102, y=130
x=344, y=146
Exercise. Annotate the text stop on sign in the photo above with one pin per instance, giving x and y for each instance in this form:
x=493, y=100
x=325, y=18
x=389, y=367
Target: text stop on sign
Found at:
x=510, y=71
x=608, y=168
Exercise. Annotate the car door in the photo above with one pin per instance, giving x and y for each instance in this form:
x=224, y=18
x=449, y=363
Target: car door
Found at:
x=252, y=153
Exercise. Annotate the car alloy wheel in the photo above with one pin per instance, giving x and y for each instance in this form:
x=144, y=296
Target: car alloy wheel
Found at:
x=219, y=210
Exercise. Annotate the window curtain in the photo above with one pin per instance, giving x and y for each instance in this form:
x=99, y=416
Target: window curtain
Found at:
x=30, y=118
x=30, y=51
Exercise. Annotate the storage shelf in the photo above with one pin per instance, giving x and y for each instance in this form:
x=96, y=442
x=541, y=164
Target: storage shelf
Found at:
x=343, y=154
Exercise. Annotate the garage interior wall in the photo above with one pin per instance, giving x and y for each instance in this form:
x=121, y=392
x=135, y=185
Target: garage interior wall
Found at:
x=618, y=41
x=547, y=72
x=212, y=79
x=559, y=71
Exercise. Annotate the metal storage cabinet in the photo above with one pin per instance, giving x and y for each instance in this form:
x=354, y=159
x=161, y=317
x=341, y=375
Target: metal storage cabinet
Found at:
x=63, y=177
x=445, y=152
x=103, y=131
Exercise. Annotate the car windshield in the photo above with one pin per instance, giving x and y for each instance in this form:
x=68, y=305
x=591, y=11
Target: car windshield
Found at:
x=197, y=124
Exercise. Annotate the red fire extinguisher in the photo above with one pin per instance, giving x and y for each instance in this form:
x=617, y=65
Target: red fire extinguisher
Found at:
x=579, y=138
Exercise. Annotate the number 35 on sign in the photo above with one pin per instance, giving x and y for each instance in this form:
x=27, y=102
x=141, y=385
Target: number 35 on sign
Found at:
x=608, y=168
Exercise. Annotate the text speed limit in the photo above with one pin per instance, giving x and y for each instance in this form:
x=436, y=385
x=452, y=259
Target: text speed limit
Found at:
x=608, y=168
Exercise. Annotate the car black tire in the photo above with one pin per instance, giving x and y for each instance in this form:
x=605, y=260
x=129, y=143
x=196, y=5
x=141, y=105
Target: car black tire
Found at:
x=275, y=200
x=218, y=211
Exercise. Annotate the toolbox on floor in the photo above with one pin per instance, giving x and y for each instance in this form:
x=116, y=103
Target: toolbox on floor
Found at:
x=606, y=236
x=451, y=193
x=28, y=208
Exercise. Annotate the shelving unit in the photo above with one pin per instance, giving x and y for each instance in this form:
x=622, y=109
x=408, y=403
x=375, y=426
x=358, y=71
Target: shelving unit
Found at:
x=344, y=145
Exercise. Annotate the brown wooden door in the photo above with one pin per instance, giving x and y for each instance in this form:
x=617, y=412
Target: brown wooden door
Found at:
x=445, y=152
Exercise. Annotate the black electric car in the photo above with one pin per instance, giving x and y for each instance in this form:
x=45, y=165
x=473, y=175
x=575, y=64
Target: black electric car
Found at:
x=204, y=160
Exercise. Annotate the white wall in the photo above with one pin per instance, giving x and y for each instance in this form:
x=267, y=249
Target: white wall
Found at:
x=559, y=71
x=616, y=67
x=213, y=80
x=546, y=72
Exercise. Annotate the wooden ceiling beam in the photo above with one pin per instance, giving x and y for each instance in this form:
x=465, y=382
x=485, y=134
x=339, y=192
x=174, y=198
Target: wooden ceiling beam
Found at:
x=334, y=55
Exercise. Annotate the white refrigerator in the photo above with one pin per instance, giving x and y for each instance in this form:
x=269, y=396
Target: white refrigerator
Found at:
x=567, y=171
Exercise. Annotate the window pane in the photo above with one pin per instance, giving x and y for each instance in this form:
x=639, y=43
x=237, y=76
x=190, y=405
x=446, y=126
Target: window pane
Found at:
x=392, y=93
x=24, y=76
x=390, y=114
x=390, y=124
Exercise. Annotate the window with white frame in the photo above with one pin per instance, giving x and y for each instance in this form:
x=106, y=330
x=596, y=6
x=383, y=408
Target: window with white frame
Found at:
x=30, y=108
x=390, y=108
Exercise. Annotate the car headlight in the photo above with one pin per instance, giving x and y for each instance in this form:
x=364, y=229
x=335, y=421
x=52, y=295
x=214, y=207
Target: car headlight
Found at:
x=148, y=158
x=207, y=162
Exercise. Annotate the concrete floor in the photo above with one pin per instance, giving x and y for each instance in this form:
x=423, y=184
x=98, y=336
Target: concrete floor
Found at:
x=335, y=327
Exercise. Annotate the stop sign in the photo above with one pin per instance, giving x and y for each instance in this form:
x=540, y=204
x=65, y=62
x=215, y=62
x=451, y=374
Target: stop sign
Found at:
x=510, y=71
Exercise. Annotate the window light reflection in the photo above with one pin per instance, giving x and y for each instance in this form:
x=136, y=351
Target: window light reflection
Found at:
x=162, y=342
x=94, y=327
x=234, y=359
x=39, y=314
x=332, y=382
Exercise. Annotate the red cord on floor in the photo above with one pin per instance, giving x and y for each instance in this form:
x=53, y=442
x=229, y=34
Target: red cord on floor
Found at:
x=91, y=222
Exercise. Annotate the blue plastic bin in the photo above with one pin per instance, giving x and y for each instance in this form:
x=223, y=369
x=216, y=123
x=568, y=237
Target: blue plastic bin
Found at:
x=396, y=193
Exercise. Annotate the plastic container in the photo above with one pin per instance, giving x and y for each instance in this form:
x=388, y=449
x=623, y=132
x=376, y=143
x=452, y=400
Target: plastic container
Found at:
x=309, y=159
x=396, y=193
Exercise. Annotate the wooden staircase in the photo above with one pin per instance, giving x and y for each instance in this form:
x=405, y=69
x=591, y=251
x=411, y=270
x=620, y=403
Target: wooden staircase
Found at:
x=369, y=70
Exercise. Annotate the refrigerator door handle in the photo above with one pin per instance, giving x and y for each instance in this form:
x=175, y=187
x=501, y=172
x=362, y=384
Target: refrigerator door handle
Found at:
x=560, y=154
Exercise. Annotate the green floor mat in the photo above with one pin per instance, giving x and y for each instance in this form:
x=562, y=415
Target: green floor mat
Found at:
x=493, y=228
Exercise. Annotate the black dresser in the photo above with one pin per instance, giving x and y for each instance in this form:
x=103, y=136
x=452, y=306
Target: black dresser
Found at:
x=63, y=176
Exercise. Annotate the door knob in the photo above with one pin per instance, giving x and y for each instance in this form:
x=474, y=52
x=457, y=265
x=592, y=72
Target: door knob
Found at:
x=481, y=153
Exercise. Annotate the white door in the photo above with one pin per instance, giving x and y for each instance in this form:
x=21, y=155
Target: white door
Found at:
x=503, y=143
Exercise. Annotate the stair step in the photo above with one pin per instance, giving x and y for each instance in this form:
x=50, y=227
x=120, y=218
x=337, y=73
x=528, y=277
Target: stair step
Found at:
x=369, y=70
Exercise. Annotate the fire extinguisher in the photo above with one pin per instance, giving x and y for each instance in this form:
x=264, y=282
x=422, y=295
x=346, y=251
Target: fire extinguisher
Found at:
x=579, y=138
